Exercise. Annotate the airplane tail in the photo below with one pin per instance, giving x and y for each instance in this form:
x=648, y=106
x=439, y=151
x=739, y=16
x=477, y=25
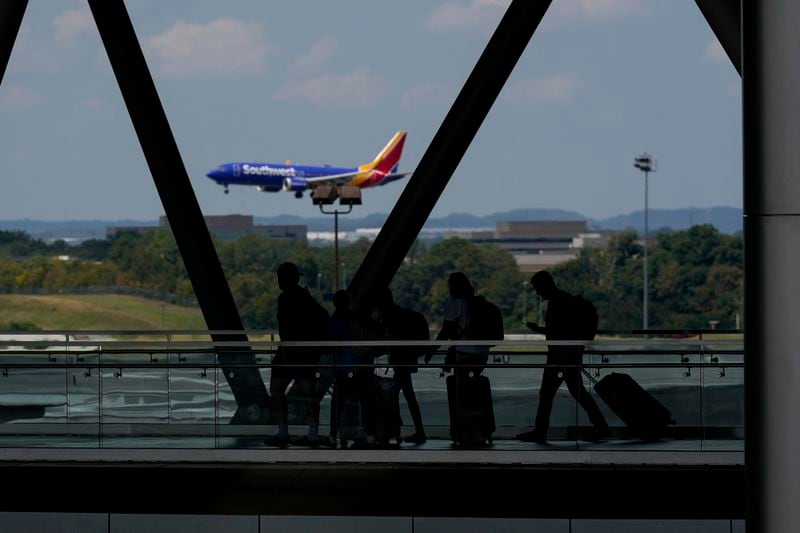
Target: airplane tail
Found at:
x=386, y=161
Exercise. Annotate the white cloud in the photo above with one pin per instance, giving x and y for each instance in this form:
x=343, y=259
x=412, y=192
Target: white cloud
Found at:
x=467, y=15
x=484, y=15
x=317, y=55
x=95, y=104
x=559, y=89
x=360, y=88
x=596, y=9
x=30, y=53
x=223, y=48
x=427, y=95
x=715, y=53
x=70, y=26
x=19, y=98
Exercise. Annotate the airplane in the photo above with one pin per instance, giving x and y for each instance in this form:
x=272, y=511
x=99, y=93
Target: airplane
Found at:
x=275, y=177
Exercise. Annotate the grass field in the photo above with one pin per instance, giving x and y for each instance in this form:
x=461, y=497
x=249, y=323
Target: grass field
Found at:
x=98, y=311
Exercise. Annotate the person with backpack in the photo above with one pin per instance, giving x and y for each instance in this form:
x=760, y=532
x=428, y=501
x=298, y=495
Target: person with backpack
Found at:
x=300, y=318
x=353, y=381
x=455, y=323
x=467, y=316
x=406, y=325
x=568, y=318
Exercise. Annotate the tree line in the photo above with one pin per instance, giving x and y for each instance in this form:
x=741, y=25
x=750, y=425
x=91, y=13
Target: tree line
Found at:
x=695, y=275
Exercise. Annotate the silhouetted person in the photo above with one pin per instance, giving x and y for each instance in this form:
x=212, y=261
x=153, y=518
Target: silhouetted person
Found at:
x=560, y=326
x=351, y=381
x=404, y=324
x=469, y=396
x=300, y=318
x=454, y=326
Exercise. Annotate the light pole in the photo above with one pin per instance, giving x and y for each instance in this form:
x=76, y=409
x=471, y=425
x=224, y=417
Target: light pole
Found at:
x=326, y=195
x=645, y=163
x=524, y=301
x=336, y=214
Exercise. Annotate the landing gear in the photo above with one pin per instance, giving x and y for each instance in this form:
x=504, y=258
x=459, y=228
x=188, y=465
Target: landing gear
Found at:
x=226, y=189
x=298, y=194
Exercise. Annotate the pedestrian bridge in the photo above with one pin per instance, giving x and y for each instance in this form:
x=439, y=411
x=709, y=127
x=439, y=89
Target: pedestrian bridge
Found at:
x=165, y=397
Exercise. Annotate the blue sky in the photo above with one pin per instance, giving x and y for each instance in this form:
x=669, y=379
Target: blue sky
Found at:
x=329, y=82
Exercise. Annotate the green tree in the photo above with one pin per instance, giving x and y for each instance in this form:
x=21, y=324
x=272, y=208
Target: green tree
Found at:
x=492, y=270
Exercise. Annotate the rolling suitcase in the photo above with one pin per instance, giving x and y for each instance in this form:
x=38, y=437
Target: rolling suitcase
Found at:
x=640, y=411
x=471, y=411
x=351, y=427
x=347, y=406
x=387, y=410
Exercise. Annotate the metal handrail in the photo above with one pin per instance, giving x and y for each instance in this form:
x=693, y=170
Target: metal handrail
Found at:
x=270, y=332
x=489, y=365
x=636, y=343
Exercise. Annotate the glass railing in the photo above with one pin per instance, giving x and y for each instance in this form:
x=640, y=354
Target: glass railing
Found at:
x=181, y=389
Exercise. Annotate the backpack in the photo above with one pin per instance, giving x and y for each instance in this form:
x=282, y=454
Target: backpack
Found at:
x=485, y=320
x=319, y=327
x=320, y=321
x=409, y=325
x=586, y=318
x=416, y=326
x=365, y=328
x=308, y=321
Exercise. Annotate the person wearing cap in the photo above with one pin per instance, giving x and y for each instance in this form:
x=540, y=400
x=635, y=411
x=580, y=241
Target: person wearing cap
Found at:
x=300, y=318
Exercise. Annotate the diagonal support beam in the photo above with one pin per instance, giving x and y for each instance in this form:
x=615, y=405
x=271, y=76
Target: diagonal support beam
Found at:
x=179, y=201
x=725, y=19
x=447, y=148
x=11, y=13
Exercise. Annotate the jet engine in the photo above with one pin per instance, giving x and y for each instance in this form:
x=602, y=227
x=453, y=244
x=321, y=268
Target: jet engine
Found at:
x=269, y=188
x=295, y=184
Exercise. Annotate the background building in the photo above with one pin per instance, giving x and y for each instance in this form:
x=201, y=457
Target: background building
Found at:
x=227, y=227
x=538, y=244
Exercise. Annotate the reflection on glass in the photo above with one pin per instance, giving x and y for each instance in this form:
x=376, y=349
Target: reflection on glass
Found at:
x=191, y=390
x=723, y=403
x=163, y=397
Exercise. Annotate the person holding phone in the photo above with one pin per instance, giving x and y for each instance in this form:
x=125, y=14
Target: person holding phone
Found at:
x=560, y=325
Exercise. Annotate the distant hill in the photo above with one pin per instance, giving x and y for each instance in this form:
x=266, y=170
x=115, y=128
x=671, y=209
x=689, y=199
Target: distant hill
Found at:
x=69, y=229
x=726, y=219
x=453, y=220
x=325, y=223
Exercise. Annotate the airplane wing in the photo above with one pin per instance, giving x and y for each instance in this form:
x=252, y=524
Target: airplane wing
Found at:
x=347, y=175
x=331, y=177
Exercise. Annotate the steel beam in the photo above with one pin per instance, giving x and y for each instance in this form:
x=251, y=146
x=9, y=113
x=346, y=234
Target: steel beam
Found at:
x=11, y=13
x=771, y=114
x=725, y=19
x=447, y=148
x=179, y=201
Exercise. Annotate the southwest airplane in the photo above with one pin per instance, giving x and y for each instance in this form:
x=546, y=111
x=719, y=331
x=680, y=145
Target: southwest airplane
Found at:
x=274, y=177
